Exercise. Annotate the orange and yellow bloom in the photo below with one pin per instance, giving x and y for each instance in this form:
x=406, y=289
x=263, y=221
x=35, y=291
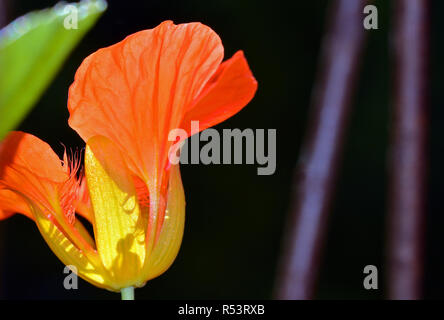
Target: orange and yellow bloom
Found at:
x=124, y=101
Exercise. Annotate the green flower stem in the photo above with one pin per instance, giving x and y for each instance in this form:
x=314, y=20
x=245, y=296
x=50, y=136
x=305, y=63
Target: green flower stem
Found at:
x=127, y=293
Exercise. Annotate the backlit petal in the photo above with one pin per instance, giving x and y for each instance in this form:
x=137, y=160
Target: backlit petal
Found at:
x=30, y=169
x=119, y=226
x=28, y=165
x=136, y=91
x=87, y=263
x=25, y=150
x=10, y=203
x=227, y=92
x=170, y=237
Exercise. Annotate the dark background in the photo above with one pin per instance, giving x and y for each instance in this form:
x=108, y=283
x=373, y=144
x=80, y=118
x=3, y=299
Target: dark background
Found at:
x=235, y=218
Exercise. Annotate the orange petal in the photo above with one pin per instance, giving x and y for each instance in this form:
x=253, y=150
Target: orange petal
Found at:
x=136, y=91
x=10, y=203
x=5, y=214
x=225, y=94
x=29, y=166
x=28, y=151
x=31, y=169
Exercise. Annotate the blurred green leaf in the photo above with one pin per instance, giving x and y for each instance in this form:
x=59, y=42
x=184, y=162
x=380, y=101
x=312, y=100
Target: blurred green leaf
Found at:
x=33, y=48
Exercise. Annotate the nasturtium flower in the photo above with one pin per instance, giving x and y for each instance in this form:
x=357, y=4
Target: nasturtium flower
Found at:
x=124, y=101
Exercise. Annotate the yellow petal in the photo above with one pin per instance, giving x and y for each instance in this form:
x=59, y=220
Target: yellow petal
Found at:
x=88, y=263
x=119, y=226
x=167, y=245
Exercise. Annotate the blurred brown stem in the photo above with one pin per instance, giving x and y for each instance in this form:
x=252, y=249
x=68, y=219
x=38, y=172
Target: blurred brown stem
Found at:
x=408, y=153
x=316, y=174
